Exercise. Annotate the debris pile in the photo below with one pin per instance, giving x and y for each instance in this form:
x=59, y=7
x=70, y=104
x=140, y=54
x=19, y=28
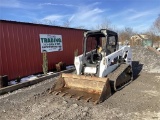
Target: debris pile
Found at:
x=149, y=61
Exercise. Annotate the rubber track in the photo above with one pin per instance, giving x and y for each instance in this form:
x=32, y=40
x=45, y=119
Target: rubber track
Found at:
x=115, y=74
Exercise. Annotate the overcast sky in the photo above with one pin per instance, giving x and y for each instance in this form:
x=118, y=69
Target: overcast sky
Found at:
x=138, y=14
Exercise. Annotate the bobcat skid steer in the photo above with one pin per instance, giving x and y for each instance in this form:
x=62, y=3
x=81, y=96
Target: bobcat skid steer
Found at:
x=101, y=68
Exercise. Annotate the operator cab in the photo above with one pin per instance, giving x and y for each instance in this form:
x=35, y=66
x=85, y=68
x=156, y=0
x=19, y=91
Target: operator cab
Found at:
x=98, y=44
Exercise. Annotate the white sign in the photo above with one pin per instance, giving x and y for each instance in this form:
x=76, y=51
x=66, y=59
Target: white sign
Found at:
x=51, y=43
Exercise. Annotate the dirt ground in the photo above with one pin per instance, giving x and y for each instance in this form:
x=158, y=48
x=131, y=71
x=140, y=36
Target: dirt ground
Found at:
x=140, y=100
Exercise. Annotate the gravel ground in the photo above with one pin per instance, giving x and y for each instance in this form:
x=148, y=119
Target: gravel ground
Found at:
x=148, y=59
x=138, y=101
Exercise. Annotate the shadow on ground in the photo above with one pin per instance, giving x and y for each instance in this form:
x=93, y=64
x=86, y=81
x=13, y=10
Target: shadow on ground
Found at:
x=137, y=68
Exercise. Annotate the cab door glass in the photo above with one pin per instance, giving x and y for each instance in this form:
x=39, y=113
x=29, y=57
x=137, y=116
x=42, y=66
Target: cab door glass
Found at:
x=111, y=40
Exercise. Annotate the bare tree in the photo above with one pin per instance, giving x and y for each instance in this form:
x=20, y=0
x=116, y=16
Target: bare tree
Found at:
x=80, y=27
x=154, y=31
x=126, y=34
x=66, y=23
x=49, y=22
x=157, y=24
x=45, y=21
x=106, y=24
x=152, y=35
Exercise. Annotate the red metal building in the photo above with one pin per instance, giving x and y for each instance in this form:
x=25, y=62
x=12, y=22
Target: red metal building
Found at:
x=20, y=53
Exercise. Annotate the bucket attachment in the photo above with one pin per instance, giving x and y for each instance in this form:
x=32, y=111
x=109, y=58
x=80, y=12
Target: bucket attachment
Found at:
x=82, y=87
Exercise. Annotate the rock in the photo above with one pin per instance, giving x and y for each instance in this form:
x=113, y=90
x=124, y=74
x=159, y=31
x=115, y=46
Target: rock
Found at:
x=84, y=113
x=75, y=105
x=86, y=108
x=64, y=102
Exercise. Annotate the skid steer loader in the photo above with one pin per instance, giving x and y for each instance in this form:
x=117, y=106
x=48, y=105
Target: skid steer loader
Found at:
x=101, y=68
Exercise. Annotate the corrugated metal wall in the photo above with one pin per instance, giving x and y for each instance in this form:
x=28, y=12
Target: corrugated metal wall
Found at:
x=20, y=47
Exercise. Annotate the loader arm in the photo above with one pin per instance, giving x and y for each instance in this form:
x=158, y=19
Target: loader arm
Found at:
x=112, y=61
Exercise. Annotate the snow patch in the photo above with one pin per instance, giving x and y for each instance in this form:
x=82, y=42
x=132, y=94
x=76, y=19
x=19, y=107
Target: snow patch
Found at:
x=25, y=79
x=29, y=78
x=70, y=67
